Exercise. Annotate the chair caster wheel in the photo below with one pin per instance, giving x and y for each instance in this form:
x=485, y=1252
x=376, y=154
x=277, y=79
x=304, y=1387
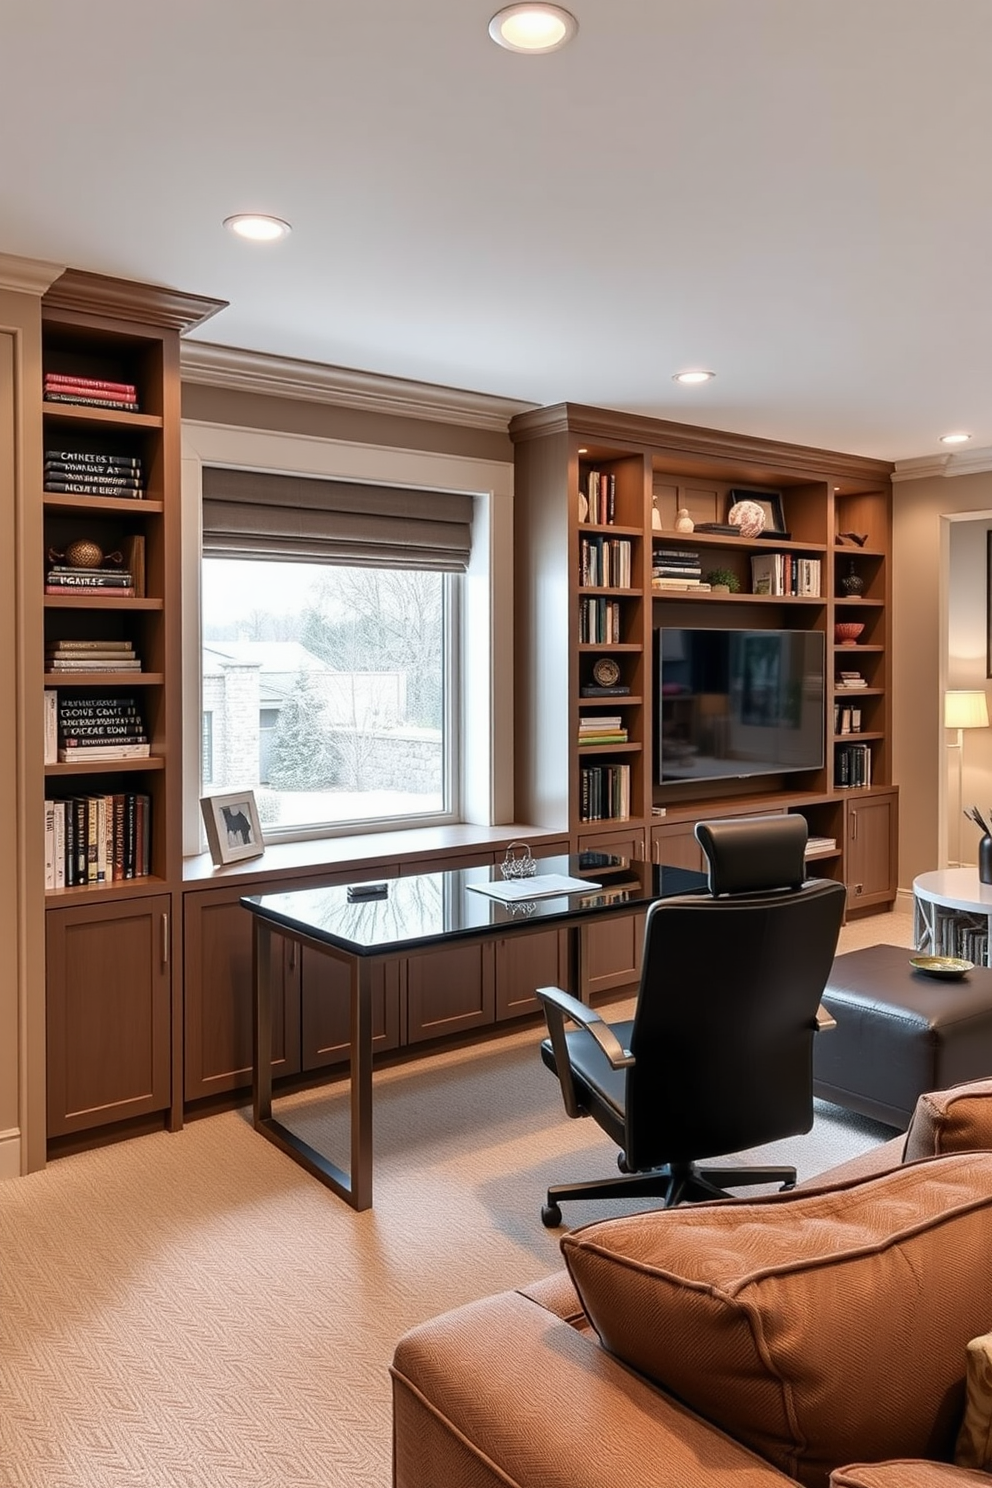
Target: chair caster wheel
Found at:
x=622, y=1163
x=787, y=1187
x=550, y=1216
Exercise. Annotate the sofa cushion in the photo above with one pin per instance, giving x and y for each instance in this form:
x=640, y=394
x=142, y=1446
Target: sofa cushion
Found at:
x=974, y=1444
x=954, y=1120
x=916, y=1473
x=818, y=1328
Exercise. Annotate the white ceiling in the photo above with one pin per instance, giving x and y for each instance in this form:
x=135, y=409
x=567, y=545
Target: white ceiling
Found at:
x=795, y=193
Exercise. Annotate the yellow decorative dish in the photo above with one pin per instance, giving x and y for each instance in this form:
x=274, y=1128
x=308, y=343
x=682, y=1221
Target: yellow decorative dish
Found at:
x=941, y=966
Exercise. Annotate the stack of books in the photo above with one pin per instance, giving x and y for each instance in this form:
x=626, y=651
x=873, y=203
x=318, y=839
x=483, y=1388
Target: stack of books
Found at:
x=602, y=730
x=115, y=583
x=97, y=839
x=820, y=847
x=850, y=680
x=91, y=392
x=677, y=568
x=75, y=473
x=107, y=727
x=91, y=656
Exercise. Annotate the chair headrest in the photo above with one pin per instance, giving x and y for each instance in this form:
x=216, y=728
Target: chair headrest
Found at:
x=746, y=855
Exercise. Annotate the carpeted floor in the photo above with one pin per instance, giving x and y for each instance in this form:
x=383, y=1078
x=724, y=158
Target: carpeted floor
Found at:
x=193, y=1311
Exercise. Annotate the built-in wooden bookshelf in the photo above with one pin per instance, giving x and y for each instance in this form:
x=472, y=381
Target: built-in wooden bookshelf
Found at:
x=796, y=578
x=110, y=569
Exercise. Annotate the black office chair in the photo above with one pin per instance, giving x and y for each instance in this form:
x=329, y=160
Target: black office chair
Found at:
x=719, y=1054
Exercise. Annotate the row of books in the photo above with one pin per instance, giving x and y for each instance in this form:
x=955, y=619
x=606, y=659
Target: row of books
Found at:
x=91, y=392
x=605, y=562
x=67, y=578
x=604, y=793
x=87, y=728
x=97, y=839
x=846, y=720
x=601, y=495
x=959, y=935
x=599, y=622
x=602, y=730
x=785, y=574
x=79, y=657
x=74, y=472
x=852, y=766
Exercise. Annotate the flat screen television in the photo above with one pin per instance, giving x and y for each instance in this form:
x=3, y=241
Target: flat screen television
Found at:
x=731, y=704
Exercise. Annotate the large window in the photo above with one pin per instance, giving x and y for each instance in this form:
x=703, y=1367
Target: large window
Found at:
x=327, y=690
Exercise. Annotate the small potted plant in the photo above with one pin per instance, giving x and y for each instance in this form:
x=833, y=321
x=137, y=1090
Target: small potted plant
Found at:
x=723, y=581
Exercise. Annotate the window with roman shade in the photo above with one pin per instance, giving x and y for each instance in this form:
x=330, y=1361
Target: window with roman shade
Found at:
x=255, y=514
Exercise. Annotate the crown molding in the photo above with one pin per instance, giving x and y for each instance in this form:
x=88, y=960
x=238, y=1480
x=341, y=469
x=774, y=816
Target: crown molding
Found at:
x=314, y=382
x=128, y=299
x=27, y=275
x=959, y=462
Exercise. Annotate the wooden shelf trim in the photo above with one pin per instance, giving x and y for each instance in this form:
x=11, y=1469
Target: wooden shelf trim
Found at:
x=138, y=506
x=86, y=602
x=108, y=767
x=103, y=679
x=71, y=413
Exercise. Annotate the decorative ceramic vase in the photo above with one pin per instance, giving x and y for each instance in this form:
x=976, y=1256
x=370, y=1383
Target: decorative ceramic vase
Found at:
x=853, y=585
x=683, y=522
x=985, y=860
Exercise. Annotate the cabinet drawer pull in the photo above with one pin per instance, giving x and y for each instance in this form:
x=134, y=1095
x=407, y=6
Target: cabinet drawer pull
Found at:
x=165, y=940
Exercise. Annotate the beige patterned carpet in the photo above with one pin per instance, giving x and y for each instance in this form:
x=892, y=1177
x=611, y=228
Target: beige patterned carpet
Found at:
x=193, y=1311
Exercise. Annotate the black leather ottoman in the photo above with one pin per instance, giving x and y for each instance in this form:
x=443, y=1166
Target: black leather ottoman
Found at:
x=899, y=1033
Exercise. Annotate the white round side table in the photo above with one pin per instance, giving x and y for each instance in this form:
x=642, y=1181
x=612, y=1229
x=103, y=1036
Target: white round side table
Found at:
x=952, y=914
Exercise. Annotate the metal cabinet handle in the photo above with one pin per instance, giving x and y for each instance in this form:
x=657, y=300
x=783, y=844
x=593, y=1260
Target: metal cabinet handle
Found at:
x=165, y=940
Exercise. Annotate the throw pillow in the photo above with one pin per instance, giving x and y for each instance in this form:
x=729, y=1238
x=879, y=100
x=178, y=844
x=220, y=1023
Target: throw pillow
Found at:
x=817, y=1328
x=954, y=1120
x=974, y=1444
x=917, y=1473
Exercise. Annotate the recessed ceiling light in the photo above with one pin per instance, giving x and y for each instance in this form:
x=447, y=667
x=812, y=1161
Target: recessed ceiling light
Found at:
x=258, y=228
x=532, y=28
x=954, y=438
x=693, y=375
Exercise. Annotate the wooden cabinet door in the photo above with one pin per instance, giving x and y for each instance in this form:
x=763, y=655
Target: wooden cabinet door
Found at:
x=450, y=990
x=611, y=950
x=675, y=846
x=325, y=1008
x=218, y=967
x=870, y=850
x=109, y=1012
x=524, y=962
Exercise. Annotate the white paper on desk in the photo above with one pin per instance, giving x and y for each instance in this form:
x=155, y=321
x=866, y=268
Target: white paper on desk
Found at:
x=539, y=887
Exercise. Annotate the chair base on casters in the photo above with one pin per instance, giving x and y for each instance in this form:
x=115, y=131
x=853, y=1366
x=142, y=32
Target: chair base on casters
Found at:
x=675, y=1183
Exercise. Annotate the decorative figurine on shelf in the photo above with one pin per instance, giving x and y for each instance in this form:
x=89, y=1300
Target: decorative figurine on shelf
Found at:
x=860, y=538
x=853, y=584
x=748, y=516
x=83, y=553
x=655, y=516
x=683, y=522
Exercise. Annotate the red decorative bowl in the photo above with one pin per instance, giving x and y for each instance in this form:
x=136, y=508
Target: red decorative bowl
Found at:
x=846, y=632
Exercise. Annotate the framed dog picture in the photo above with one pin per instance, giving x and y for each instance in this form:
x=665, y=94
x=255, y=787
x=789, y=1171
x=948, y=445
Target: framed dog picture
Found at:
x=233, y=828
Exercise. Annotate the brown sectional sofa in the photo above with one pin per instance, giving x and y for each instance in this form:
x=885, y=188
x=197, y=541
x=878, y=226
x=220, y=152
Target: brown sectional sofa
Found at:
x=735, y=1344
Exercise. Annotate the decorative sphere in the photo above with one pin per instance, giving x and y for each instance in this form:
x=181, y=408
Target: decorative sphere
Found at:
x=83, y=554
x=748, y=516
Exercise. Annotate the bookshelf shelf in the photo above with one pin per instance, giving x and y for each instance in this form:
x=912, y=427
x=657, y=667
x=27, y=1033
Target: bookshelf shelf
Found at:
x=87, y=602
x=99, y=418
x=83, y=506
x=109, y=767
x=103, y=679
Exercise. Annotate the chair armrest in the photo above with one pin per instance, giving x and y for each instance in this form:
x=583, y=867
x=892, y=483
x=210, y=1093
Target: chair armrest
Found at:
x=567, y=1006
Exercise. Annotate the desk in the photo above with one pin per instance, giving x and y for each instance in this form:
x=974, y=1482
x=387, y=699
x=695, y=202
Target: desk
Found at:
x=419, y=913
x=952, y=914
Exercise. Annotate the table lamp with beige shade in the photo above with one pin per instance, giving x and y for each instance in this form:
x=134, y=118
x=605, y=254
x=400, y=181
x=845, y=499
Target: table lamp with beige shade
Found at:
x=964, y=710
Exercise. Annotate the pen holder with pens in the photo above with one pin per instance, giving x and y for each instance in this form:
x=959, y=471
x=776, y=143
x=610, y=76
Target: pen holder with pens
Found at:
x=519, y=862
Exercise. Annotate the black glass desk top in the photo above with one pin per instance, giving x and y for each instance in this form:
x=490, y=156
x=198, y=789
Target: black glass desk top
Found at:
x=427, y=908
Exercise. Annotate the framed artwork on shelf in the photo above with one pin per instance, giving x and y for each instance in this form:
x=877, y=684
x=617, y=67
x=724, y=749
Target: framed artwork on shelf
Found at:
x=233, y=828
x=771, y=507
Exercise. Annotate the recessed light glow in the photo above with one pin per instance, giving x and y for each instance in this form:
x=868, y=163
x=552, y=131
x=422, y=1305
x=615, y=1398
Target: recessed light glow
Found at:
x=532, y=28
x=257, y=228
x=693, y=375
x=954, y=438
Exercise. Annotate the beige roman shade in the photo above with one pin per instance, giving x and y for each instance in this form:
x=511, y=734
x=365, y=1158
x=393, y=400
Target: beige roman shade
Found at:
x=253, y=514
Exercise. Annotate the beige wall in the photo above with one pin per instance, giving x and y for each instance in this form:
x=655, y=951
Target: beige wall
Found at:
x=216, y=405
x=924, y=663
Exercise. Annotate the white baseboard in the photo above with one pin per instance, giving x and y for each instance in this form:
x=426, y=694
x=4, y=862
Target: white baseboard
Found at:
x=903, y=901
